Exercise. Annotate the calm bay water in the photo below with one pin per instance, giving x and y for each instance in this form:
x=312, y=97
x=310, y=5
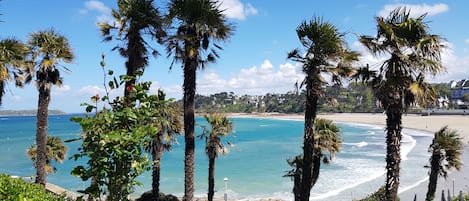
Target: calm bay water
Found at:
x=254, y=166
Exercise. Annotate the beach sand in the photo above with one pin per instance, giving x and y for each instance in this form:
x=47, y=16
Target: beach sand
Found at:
x=460, y=123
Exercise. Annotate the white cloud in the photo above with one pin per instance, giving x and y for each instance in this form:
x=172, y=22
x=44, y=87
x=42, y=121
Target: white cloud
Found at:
x=366, y=58
x=91, y=90
x=60, y=90
x=416, y=9
x=466, y=41
x=173, y=91
x=457, y=67
x=104, y=12
x=97, y=6
x=237, y=10
x=255, y=80
x=15, y=98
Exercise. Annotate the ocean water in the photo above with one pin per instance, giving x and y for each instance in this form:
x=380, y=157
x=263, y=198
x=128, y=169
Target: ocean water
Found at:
x=254, y=166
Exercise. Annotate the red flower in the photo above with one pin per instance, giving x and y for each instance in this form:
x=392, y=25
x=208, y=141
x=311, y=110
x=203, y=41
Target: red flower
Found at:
x=95, y=98
x=130, y=88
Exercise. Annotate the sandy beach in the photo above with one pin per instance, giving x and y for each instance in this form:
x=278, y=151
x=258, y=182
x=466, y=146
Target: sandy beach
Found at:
x=460, y=123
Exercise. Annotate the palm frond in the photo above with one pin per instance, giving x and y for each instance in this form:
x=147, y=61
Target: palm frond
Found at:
x=327, y=137
x=447, y=144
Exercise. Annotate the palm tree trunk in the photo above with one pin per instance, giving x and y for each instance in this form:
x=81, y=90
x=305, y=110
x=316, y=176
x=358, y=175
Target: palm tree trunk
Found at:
x=157, y=152
x=41, y=133
x=211, y=178
x=190, y=67
x=434, y=169
x=134, y=55
x=297, y=185
x=393, y=150
x=316, y=167
x=2, y=90
x=308, y=144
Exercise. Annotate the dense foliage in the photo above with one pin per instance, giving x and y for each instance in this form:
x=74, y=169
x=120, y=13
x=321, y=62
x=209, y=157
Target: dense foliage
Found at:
x=376, y=196
x=354, y=98
x=461, y=197
x=15, y=189
x=115, y=139
x=148, y=196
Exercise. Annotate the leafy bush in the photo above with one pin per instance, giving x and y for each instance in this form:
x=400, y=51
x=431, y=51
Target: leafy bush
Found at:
x=14, y=189
x=115, y=139
x=148, y=196
x=465, y=197
x=376, y=196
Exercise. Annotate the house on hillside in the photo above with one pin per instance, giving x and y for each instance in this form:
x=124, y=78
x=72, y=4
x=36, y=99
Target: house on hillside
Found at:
x=459, y=89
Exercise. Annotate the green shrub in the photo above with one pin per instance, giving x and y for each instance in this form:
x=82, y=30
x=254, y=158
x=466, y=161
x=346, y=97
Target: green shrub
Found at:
x=14, y=189
x=376, y=196
x=465, y=197
x=148, y=196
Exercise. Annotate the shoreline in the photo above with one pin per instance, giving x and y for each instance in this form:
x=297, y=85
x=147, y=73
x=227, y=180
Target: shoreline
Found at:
x=430, y=124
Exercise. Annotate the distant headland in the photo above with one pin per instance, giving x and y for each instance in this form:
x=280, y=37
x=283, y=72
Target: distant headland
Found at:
x=27, y=112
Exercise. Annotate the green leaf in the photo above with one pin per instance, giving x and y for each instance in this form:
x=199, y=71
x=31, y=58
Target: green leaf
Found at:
x=72, y=140
x=111, y=84
x=76, y=119
x=89, y=108
x=78, y=171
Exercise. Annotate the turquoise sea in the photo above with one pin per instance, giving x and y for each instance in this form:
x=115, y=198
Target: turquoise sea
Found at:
x=255, y=165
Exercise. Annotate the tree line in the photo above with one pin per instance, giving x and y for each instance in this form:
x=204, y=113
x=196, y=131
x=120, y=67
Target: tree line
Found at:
x=355, y=97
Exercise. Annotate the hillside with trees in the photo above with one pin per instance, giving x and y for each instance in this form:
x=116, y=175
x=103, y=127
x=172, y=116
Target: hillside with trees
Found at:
x=356, y=97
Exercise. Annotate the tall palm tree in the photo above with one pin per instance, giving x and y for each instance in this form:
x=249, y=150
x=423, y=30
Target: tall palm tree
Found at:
x=12, y=57
x=446, y=150
x=201, y=24
x=325, y=52
x=327, y=139
x=169, y=124
x=221, y=127
x=400, y=81
x=133, y=20
x=56, y=150
x=48, y=50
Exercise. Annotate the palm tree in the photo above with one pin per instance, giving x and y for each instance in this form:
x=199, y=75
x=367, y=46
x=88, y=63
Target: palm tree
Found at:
x=134, y=19
x=400, y=80
x=169, y=124
x=327, y=139
x=446, y=150
x=200, y=24
x=48, y=50
x=325, y=52
x=12, y=57
x=56, y=150
x=221, y=127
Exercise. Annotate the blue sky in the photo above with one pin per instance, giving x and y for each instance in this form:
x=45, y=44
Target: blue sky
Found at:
x=253, y=60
